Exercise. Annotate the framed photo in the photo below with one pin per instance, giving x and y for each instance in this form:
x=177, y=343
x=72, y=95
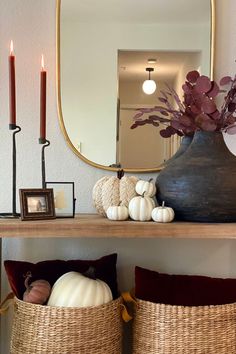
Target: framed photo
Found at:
x=64, y=198
x=37, y=204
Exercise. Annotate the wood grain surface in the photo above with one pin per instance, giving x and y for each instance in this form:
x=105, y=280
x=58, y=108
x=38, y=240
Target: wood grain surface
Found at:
x=91, y=225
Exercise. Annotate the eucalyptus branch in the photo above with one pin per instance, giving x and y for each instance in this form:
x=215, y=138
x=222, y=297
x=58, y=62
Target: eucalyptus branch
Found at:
x=197, y=111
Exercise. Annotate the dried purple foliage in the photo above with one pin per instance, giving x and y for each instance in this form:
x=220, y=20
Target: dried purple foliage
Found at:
x=197, y=111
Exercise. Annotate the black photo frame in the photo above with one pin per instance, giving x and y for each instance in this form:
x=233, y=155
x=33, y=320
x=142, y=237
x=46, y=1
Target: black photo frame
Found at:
x=37, y=204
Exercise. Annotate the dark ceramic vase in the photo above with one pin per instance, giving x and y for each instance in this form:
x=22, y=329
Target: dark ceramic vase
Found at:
x=185, y=142
x=201, y=184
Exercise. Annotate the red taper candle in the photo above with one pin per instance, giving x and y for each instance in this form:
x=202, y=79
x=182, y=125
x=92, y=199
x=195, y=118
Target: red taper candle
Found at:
x=43, y=82
x=12, y=88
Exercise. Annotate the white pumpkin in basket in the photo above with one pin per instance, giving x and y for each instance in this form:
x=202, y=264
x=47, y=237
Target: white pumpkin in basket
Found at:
x=74, y=289
x=112, y=191
x=140, y=208
x=146, y=187
x=118, y=213
x=163, y=214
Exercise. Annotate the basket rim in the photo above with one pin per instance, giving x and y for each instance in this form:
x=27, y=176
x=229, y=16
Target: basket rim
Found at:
x=232, y=304
x=25, y=303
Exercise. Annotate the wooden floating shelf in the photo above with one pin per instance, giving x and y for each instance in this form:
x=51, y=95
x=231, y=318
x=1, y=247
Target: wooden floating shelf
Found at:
x=91, y=225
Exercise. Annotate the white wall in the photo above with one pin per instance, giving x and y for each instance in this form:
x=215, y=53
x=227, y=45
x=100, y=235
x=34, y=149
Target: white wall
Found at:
x=32, y=26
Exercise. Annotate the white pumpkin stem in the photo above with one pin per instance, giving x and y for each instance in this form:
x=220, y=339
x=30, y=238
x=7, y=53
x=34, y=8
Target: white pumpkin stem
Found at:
x=150, y=180
x=163, y=204
x=90, y=273
x=143, y=194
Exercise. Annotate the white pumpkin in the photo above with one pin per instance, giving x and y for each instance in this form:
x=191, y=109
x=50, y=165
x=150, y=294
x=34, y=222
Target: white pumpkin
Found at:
x=118, y=212
x=140, y=208
x=112, y=191
x=73, y=289
x=163, y=214
x=147, y=188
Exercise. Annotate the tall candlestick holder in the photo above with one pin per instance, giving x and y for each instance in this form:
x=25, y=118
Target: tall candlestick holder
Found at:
x=45, y=144
x=16, y=129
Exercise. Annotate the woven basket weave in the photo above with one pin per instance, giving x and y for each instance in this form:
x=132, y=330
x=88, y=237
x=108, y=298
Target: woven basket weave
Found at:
x=41, y=329
x=166, y=329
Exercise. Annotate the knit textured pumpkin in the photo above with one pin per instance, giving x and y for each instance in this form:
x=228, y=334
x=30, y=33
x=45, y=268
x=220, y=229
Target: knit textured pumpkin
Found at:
x=113, y=191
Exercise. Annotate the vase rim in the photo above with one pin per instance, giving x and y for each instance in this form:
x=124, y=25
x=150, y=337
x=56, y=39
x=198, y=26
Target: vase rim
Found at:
x=207, y=132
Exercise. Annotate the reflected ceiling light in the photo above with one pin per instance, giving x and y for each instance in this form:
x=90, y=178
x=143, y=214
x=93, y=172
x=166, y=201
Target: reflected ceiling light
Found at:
x=152, y=61
x=149, y=86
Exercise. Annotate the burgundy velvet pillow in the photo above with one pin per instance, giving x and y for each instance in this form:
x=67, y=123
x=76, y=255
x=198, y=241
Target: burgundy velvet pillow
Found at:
x=51, y=270
x=185, y=290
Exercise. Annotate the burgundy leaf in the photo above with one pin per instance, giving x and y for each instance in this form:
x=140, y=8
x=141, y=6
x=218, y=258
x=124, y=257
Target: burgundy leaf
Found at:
x=165, y=134
x=155, y=124
x=140, y=122
x=214, y=89
x=231, y=130
x=195, y=109
x=133, y=126
x=203, y=84
x=198, y=98
x=138, y=115
x=176, y=124
x=164, y=113
x=230, y=120
x=188, y=99
x=192, y=76
x=225, y=80
x=176, y=96
x=179, y=133
x=187, y=88
x=164, y=94
x=209, y=126
x=233, y=90
x=232, y=107
x=162, y=99
x=186, y=121
x=209, y=107
x=205, y=123
x=188, y=131
x=215, y=115
x=160, y=119
x=171, y=130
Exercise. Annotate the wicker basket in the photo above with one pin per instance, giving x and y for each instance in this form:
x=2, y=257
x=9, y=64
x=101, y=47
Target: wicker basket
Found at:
x=166, y=329
x=41, y=329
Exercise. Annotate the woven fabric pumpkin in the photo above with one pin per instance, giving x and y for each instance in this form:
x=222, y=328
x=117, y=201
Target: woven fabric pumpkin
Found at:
x=113, y=191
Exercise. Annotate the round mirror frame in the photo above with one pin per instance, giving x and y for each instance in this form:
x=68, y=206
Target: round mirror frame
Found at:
x=58, y=87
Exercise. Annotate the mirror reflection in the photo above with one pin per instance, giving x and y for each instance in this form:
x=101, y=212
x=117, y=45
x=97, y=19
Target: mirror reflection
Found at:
x=106, y=52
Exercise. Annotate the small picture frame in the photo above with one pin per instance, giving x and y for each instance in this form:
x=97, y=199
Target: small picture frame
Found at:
x=64, y=198
x=37, y=204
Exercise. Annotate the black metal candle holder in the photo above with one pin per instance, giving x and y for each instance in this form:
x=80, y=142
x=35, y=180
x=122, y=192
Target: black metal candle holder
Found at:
x=45, y=144
x=13, y=214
